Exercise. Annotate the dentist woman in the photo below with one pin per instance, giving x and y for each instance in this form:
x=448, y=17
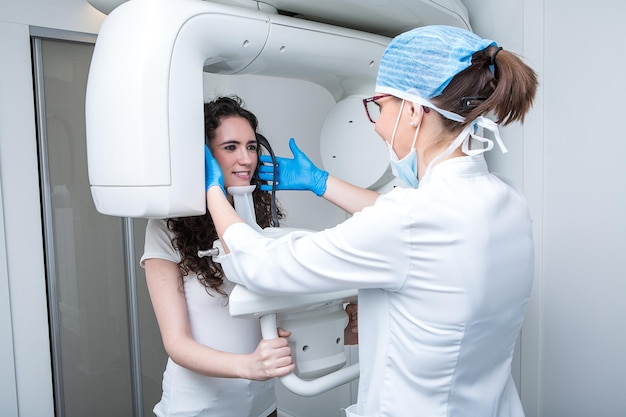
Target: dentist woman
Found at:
x=444, y=266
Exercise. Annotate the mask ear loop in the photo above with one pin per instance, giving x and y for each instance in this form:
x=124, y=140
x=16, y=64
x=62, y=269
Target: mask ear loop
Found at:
x=461, y=138
x=395, y=128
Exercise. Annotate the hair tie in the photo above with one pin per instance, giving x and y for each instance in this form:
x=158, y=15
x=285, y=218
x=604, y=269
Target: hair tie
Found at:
x=493, y=56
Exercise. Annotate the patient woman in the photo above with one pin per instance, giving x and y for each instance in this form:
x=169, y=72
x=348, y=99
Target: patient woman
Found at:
x=218, y=365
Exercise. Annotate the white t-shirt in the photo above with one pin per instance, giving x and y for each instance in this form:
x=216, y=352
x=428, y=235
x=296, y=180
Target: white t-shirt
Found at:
x=444, y=274
x=186, y=393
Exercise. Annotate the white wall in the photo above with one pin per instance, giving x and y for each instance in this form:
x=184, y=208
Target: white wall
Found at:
x=24, y=352
x=8, y=393
x=584, y=287
x=574, y=338
x=24, y=285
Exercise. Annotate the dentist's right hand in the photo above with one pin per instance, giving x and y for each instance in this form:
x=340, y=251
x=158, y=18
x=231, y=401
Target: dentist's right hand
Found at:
x=298, y=173
x=212, y=172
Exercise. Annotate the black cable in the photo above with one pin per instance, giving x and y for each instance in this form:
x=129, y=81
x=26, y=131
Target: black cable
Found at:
x=262, y=140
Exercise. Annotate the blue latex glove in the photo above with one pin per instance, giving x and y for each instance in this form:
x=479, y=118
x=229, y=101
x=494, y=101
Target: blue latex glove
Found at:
x=212, y=171
x=298, y=173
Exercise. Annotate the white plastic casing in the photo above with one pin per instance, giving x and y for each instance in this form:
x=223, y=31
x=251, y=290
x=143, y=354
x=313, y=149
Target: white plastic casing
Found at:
x=144, y=106
x=350, y=147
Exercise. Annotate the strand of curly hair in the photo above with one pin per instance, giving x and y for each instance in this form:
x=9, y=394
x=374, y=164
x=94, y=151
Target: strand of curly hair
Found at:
x=198, y=233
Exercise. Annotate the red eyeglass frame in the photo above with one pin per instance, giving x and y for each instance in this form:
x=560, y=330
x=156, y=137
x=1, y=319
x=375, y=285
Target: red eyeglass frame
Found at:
x=373, y=100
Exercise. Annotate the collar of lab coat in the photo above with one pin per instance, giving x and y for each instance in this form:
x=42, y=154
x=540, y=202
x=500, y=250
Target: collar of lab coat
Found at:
x=462, y=166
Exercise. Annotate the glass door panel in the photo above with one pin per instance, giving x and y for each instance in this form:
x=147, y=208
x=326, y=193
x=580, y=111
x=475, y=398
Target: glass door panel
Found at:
x=85, y=252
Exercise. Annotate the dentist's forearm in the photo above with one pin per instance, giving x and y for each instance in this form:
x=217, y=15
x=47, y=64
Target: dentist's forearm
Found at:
x=222, y=212
x=348, y=197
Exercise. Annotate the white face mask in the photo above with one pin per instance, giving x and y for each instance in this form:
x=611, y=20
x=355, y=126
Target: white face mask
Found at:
x=405, y=168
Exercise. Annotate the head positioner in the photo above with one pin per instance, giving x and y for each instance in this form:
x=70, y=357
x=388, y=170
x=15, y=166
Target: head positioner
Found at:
x=417, y=65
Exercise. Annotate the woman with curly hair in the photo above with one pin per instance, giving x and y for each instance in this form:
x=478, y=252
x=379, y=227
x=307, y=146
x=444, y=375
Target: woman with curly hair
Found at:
x=218, y=365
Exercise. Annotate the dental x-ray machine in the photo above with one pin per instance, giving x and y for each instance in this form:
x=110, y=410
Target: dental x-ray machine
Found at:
x=145, y=129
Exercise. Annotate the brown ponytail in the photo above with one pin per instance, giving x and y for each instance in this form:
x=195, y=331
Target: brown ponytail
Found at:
x=504, y=86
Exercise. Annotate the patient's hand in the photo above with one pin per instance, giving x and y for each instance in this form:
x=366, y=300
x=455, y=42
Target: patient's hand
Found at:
x=272, y=358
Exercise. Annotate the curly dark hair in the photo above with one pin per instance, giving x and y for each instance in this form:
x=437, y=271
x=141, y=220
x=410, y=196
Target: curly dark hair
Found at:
x=198, y=232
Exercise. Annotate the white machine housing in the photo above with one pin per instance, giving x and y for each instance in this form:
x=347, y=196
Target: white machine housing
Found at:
x=144, y=113
x=144, y=106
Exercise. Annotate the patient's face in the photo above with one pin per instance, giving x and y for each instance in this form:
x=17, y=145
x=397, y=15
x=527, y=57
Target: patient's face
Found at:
x=235, y=149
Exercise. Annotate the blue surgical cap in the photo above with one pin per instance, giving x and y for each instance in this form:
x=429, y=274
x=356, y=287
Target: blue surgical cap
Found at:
x=417, y=65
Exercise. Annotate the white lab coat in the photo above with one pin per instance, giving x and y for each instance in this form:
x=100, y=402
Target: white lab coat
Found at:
x=444, y=274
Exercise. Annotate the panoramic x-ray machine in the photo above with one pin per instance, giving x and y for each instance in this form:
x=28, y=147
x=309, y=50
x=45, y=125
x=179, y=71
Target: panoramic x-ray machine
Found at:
x=145, y=134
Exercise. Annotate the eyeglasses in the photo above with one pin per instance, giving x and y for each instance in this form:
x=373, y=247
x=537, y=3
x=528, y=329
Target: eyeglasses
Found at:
x=372, y=108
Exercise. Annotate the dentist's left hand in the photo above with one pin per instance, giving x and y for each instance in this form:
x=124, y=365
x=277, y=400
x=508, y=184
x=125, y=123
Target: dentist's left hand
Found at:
x=212, y=172
x=297, y=173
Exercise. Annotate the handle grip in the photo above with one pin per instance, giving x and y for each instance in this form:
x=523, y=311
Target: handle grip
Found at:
x=315, y=386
